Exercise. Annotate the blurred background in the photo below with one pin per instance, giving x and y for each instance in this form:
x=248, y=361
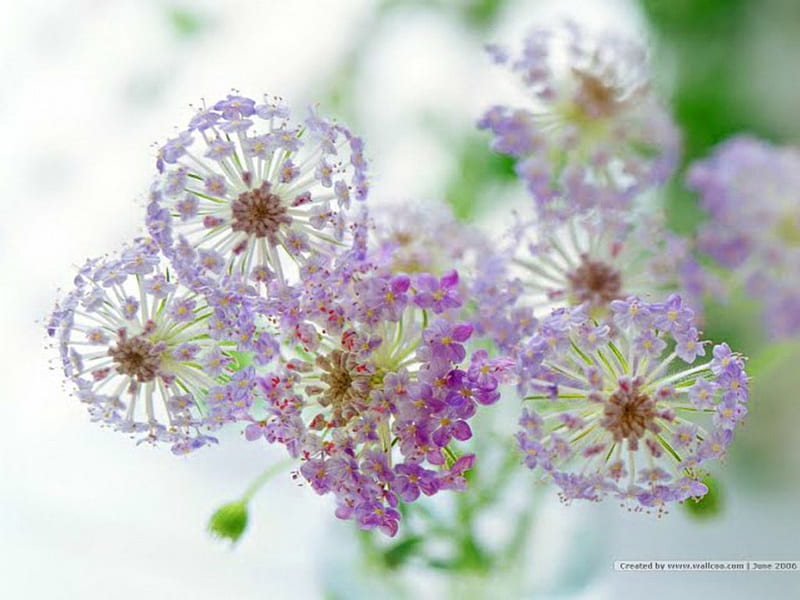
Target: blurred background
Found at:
x=89, y=86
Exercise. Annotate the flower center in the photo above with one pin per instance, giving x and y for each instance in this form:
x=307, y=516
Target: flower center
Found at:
x=348, y=384
x=136, y=357
x=594, y=282
x=260, y=213
x=628, y=413
x=596, y=98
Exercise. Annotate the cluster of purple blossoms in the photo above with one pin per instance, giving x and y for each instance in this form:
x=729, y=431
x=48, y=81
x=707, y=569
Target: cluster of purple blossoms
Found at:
x=582, y=261
x=372, y=392
x=287, y=313
x=140, y=349
x=594, y=134
x=625, y=408
x=751, y=192
x=244, y=190
x=413, y=238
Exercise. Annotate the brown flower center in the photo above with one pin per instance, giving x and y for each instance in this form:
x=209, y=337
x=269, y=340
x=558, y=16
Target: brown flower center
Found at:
x=594, y=282
x=595, y=97
x=136, y=357
x=260, y=213
x=628, y=413
x=348, y=384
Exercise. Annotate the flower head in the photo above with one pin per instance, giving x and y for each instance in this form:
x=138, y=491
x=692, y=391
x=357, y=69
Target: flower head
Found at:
x=244, y=190
x=751, y=192
x=593, y=133
x=631, y=412
x=414, y=238
x=137, y=348
x=583, y=262
x=371, y=392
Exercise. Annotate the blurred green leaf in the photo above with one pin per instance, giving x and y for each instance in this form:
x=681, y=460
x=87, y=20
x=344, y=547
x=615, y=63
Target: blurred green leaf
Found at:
x=186, y=23
x=770, y=357
x=478, y=168
x=482, y=13
x=399, y=553
x=703, y=16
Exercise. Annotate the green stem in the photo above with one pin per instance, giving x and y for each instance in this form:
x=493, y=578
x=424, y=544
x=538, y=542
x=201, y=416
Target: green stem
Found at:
x=259, y=481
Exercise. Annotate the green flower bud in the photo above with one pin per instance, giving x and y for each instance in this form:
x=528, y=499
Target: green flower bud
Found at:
x=229, y=521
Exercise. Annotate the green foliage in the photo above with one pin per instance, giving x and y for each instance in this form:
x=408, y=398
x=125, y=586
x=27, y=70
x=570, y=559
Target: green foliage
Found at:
x=701, y=16
x=480, y=14
x=398, y=554
x=186, y=23
x=478, y=169
x=229, y=521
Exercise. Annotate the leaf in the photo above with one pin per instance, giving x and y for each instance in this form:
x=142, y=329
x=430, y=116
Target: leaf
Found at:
x=400, y=552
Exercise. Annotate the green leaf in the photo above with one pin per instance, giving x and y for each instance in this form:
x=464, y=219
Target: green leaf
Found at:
x=186, y=23
x=770, y=357
x=399, y=553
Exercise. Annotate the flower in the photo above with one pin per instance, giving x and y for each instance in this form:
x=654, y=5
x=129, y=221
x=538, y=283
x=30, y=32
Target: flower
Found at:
x=414, y=238
x=751, y=192
x=593, y=133
x=582, y=262
x=137, y=348
x=244, y=190
x=616, y=413
x=371, y=391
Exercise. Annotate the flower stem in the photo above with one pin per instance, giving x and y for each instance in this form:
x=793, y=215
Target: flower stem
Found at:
x=259, y=481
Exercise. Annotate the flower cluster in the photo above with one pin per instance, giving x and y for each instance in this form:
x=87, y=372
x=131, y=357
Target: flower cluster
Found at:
x=245, y=190
x=374, y=390
x=626, y=408
x=583, y=262
x=139, y=348
x=362, y=346
x=751, y=192
x=592, y=134
x=425, y=238
x=276, y=319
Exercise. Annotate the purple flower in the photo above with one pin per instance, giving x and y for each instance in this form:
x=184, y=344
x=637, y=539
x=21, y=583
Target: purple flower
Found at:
x=444, y=340
x=594, y=134
x=622, y=413
x=749, y=189
x=138, y=367
x=437, y=294
x=238, y=214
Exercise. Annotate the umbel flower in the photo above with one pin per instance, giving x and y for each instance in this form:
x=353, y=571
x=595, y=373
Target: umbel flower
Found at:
x=414, y=238
x=371, y=392
x=751, y=192
x=138, y=348
x=592, y=132
x=628, y=411
x=584, y=261
x=244, y=190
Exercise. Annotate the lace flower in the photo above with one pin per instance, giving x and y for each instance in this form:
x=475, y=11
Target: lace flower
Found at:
x=593, y=133
x=371, y=391
x=138, y=348
x=244, y=190
x=628, y=411
x=751, y=192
